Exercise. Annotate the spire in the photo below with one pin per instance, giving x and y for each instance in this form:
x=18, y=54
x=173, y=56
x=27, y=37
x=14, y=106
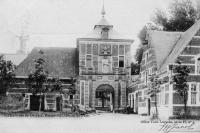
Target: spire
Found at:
x=103, y=10
x=103, y=22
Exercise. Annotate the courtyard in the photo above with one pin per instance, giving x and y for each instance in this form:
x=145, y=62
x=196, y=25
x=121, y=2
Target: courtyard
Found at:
x=94, y=123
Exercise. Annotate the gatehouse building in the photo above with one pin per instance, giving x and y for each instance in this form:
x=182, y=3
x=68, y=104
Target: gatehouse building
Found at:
x=100, y=63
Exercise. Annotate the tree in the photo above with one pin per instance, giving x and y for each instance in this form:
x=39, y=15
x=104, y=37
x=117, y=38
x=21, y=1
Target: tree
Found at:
x=37, y=79
x=6, y=75
x=135, y=66
x=72, y=89
x=182, y=15
x=138, y=55
x=58, y=87
x=180, y=82
x=154, y=89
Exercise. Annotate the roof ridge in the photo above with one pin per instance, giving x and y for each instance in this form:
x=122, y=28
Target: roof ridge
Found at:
x=54, y=47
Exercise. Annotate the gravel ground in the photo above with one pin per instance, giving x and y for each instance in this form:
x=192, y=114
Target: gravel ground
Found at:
x=95, y=123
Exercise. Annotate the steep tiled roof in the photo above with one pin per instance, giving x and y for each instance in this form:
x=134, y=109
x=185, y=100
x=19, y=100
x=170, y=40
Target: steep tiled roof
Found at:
x=180, y=45
x=60, y=62
x=112, y=34
x=162, y=42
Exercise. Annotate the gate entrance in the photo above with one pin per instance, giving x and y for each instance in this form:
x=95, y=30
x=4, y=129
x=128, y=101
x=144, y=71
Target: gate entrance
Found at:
x=104, y=98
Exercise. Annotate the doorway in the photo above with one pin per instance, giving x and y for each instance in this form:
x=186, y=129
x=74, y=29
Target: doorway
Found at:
x=58, y=103
x=104, y=98
x=149, y=106
x=136, y=103
x=35, y=103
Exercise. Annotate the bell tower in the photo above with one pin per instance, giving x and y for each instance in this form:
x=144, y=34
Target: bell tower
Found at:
x=103, y=25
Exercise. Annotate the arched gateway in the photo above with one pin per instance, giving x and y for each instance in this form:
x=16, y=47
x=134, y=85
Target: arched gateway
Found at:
x=104, y=97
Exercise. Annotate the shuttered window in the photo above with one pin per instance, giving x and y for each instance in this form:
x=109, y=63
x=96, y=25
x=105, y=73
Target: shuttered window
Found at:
x=193, y=93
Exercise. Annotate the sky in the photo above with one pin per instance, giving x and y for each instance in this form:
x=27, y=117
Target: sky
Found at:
x=57, y=23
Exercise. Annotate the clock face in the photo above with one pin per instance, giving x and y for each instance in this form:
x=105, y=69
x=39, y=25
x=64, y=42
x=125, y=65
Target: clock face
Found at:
x=105, y=49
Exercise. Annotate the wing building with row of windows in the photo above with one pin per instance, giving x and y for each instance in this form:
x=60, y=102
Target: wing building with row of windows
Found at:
x=162, y=50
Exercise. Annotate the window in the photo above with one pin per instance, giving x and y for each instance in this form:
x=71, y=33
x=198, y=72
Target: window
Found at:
x=198, y=66
x=115, y=62
x=162, y=96
x=95, y=63
x=100, y=65
x=150, y=71
x=82, y=92
x=199, y=92
x=89, y=60
x=167, y=94
x=95, y=49
x=121, y=49
x=71, y=97
x=193, y=93
x=89, y=48
x=82, y=59
x=166, y=98
x=121, y=61
x=193, y=97
x=82, y=48
x=104, y=33
x=140, y=96
x=146, y=57
x=114, y=50
x=146, y=77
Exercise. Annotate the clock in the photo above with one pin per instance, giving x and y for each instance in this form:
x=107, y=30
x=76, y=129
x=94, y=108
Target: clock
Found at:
x=105, y=49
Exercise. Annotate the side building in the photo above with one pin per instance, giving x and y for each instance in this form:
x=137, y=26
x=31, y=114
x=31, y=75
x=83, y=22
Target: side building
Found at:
x=161, y=51
x=60, y=63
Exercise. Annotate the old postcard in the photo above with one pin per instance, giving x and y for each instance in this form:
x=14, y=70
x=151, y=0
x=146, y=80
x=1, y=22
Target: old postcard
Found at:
x=100, y=66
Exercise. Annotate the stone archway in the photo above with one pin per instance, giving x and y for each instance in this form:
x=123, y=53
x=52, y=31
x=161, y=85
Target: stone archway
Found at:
x=104, y=97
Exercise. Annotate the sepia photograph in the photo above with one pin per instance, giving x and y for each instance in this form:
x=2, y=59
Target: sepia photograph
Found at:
x=99, y=66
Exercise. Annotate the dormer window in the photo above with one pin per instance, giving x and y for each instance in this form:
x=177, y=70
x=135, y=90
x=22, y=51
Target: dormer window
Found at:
x=104, y=33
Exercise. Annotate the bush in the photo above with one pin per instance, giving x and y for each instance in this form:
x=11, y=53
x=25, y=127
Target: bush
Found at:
x=11, y=103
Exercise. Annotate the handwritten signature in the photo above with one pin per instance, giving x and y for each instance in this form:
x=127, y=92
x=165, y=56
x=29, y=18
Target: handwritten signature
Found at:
x=168, y=127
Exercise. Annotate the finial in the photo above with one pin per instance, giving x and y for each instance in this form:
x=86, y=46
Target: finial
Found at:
x=103, y=10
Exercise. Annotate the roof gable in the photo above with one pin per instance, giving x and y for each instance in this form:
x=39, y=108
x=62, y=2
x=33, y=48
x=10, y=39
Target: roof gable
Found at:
x=180, y=45
x=162, y=42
